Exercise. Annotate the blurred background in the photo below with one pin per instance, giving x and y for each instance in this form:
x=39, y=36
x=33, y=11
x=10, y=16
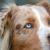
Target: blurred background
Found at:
x=19, y=2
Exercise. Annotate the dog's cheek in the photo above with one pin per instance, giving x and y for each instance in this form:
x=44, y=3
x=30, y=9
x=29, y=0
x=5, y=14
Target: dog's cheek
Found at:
x=31, y=39
x=22, y=35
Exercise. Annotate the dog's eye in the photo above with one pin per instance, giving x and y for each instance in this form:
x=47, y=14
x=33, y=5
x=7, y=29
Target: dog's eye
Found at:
x=28, y=25
x=49, y=22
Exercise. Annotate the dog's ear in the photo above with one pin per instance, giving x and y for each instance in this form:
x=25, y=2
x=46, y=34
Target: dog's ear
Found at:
x=10, y=13
x=7, y=15
x=46, y=5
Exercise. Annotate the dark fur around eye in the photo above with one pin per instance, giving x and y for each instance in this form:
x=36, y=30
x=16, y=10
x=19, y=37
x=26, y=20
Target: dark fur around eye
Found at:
x=18, y=26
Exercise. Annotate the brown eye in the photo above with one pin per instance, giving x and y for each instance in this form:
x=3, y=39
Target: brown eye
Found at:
x=28, y=25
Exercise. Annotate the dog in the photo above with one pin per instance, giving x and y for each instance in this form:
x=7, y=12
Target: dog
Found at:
x=26, y=27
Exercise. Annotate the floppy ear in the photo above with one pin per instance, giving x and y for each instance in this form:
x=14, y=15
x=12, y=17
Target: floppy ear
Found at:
x=9, y=15
x=7, y=25
x=7, y=20
x=46, y=5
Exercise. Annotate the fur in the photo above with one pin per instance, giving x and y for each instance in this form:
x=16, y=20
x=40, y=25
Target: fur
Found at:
x=18, y=35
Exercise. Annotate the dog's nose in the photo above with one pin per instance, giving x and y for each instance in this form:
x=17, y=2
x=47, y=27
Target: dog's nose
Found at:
x=48, y=38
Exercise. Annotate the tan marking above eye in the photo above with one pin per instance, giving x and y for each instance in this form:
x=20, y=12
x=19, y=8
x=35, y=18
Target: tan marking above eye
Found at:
x=31, y=19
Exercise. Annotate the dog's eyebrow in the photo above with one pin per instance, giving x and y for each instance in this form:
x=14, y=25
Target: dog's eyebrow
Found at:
x=31, y=19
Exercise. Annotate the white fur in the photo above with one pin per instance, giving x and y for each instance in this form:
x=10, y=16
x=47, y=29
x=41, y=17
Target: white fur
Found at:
x=44, y=31
x=5, y=41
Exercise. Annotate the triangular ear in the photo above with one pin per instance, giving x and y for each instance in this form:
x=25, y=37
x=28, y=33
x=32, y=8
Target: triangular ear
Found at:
x=46, y=5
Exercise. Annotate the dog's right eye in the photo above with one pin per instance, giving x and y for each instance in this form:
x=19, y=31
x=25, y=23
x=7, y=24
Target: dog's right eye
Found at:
x=28, y=25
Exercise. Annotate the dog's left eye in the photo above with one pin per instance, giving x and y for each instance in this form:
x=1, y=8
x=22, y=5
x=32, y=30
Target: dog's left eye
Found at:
x=28, y=25
x=49, y=22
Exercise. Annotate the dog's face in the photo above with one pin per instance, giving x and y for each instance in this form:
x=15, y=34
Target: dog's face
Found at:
x=30, y=27
x=25, y=23
x=25, y=29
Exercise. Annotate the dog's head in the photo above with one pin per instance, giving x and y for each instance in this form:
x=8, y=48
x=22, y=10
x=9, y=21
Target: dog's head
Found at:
x=24, y=25
x=29, y=27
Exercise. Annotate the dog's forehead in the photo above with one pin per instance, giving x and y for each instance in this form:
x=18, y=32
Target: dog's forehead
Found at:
x=35, y=12
x=23, y=14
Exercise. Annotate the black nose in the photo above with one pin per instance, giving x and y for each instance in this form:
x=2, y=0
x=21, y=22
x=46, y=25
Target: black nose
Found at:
x=48, y=37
